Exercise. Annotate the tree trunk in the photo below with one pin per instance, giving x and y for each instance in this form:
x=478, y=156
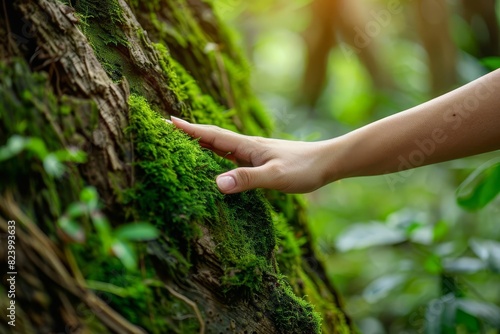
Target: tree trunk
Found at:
x=84, y=88
x=433, y=26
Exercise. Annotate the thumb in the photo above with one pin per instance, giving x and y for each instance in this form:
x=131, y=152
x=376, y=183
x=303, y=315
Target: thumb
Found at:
x=244, y=178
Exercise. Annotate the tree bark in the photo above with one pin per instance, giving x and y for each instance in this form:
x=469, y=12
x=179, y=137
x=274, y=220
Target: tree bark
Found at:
x=98, y=77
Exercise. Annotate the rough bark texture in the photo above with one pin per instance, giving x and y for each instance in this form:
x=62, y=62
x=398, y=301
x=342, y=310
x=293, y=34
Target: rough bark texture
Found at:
x=98, y=76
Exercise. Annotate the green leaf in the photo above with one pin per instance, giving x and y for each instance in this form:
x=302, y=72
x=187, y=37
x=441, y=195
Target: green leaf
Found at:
x=488, y=251
x=71, y=155
x=481, y=187
x=491, y=63
x=37, y=147
x=382, y=286
x=439, y=231
x=467, y=322
x=89, y=196
x=433, y=264
x=126, y=253
x=360, y=236
x=71, y=229
x=463, y=265
x=137, y=232
x=14, y=146
x=485, y=311
x=53, y=166
x=414, y=223
x=103, y=229
x=76, y=210
x=17, y=143
x=440, y=315
x=413, y=227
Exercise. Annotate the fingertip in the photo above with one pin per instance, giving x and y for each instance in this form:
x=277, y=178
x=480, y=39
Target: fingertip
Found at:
x=226, y=183
x=179, y=121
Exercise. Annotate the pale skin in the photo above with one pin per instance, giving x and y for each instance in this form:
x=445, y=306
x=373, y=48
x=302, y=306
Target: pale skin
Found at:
x=461, y=123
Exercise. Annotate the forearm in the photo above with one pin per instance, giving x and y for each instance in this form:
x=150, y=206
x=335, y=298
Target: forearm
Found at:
x=461, y=123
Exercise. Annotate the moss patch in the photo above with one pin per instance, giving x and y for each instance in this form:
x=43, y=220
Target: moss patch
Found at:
x=196, y=106
x=247, y=240
x=292, y=314
x=206, y=47
x=175, y=184
x=100, y=21
x=176, y=191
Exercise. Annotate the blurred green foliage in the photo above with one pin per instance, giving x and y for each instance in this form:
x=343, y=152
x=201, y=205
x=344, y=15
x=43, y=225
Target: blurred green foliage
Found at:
x=420, y=256
x=36, y=148
x=117, y=242
x=71, y=224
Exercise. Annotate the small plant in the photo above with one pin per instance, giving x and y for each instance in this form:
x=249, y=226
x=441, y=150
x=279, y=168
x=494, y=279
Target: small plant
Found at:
x=118, y=242
x=481, y=187
x=52, y=161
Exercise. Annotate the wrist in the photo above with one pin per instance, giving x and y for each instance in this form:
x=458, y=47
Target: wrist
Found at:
x=335, y=159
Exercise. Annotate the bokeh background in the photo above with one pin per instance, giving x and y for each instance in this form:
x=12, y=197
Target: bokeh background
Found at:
x=412, y=254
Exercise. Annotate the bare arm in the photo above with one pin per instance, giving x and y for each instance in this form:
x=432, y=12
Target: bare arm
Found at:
x=463, y=122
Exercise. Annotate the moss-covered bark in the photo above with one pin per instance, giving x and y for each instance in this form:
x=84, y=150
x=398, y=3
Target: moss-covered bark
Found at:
x=99, y=77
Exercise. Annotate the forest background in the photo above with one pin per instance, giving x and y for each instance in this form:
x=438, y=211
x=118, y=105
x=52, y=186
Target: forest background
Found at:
x=397, y=246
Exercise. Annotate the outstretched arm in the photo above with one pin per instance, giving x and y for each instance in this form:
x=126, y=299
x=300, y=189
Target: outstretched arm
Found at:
x=461, y=123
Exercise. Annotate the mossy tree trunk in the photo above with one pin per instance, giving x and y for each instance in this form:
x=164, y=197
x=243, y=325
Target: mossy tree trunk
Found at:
x=98, y=77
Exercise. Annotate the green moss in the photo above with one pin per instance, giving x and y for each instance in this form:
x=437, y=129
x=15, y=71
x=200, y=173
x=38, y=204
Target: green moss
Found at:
x=175, y=178
x=175, y=190
x=175, y=187
x=288, y=253
x=101, y=22
x=315, y=290
x=197, y=106
x=243, y=228
x=134, y=294
x=107, y=15
x=291, y=314
x=220, y=71
x=247, y=240
x=187, y=31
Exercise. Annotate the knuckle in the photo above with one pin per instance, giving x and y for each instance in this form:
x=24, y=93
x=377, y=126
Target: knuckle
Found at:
x=259, y=140
x=245, y=177
x=255, y=149
x=215, y=128
x=279, y=173
x=278, y=169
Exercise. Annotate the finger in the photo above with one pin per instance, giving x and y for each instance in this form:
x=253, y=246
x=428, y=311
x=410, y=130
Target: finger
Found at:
x=246, y=178
x=223, y=154
x=213, y=137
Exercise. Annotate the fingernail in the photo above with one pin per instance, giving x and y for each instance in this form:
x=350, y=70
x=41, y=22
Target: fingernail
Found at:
x=226, y=183
x=168, y=121
x=178, y=119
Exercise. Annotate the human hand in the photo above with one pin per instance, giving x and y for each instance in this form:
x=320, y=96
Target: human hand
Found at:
x=288, y=166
